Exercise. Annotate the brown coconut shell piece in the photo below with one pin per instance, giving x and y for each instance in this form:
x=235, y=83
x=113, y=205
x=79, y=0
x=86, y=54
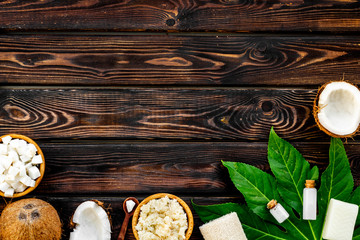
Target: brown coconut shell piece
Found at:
x=316, y=110
x=30, y=219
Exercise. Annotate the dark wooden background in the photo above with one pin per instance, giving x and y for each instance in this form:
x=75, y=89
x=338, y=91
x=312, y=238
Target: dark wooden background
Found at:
x=130, y=98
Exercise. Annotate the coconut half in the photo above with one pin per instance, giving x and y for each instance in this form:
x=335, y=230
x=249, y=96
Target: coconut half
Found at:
x=91, y=222
x=337, y=109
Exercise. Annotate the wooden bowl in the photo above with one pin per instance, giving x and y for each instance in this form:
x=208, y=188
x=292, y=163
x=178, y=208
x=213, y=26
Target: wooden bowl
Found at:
x=42, y=166
x=161, y=195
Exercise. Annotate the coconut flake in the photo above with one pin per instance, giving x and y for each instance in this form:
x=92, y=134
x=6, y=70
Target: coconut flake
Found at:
x=130, y=204
x=92, y=222
x=339, y=108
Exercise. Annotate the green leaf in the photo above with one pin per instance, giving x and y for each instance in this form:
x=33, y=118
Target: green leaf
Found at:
x=313, y=174
x=257, y=187
x=254, y=227
x=355, y=198
x=336, y=181
x=356, y=235
x=291, y=171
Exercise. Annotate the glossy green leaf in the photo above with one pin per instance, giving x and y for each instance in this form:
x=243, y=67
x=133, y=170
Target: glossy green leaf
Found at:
x=258, y=187
x=254, y=227
x=336, y=181
x=290, y=169
x=355, y=198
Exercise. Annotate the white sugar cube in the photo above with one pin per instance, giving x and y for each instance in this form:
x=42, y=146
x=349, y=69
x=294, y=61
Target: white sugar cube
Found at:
x=5, y=161
x=26, y=180
x=6, y=140
x=34, y=172
x=9, y=192
x=4, y=186
x=3, y=149
x=21, y=188
x=340, y=220
x=37, y=159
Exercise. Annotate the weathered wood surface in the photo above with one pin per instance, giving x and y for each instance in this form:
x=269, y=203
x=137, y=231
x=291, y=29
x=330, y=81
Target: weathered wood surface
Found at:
x=176, y=167
x=148, y=113
x=181, y=15
x=252, y=60
x=67, y=205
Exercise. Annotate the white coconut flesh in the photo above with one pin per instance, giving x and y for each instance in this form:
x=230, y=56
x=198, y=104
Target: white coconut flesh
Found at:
x=92, y=223
x=339, y=108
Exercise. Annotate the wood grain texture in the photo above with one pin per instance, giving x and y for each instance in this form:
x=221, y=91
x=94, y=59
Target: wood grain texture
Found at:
x=194, y=169
x=67, y=205
x=252, y=60
x=181, y=15
x=148, y=113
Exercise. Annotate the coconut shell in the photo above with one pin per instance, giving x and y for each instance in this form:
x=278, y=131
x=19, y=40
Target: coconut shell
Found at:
x=30, y=219
x=316, y=110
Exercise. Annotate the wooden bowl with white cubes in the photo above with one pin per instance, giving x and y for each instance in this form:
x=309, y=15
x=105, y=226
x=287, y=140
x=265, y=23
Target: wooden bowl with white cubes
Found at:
x=22, y=165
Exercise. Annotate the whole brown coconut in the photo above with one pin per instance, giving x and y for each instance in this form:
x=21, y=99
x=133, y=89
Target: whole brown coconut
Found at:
x=30, y=219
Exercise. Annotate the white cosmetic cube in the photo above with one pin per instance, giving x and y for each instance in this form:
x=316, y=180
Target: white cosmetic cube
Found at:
x=340, y=220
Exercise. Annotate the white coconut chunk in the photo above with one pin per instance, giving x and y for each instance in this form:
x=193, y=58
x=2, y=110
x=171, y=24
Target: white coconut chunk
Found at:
x=4, y=186
x=3, y=149
x=9, y=192
x=22, y=171
x=339, y=108
x=130, y=204
x=28, y=166
x=32, y=183
x=92, y=222
x=37, y=159
x=14, y=143
x=16, y=184
x=6, y=139
x=31, y=150
x=5, y=161
x=26, y=180
x=25, y=158
x=34, y=172
x=13, y=156
x=13, y=171
x=10, y=178
x=21, y=188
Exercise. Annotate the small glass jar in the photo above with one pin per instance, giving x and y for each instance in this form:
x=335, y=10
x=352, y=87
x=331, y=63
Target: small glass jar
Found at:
x=309, y=200
x=278, y=211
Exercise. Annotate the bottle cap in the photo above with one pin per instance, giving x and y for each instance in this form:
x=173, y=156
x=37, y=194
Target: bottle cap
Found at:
x=310, y=184
x=271, y=204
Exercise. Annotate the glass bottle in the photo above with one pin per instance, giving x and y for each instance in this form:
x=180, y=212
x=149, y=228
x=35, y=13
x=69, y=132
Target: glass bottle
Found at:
x=278, y=211
x=309, y=200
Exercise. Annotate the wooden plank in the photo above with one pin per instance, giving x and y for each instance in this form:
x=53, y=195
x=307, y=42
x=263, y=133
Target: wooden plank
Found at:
x=181, y=15
x=148, y=113
x=146, y=168
x=67, y=205
x=178, y=60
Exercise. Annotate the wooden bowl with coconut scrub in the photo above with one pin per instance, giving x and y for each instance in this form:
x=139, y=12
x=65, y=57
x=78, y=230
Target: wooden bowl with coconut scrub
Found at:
x=171, y=215
x=22, y=165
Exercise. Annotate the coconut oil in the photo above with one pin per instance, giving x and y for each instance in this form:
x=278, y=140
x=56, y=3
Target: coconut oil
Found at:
x=309, y=200
x=278, y=211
